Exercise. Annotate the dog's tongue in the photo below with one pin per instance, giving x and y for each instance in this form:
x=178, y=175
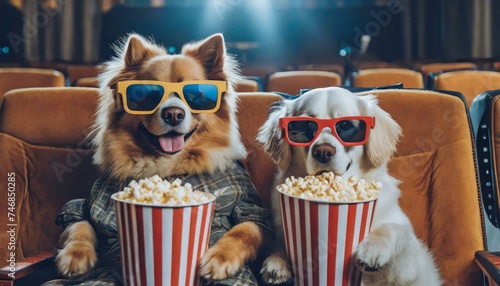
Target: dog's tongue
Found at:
x=171, y=144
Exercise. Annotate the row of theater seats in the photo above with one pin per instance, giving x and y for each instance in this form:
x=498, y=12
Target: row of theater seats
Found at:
x=42, y=134
x=462, y=77
x=468, y=82
x=23, y=77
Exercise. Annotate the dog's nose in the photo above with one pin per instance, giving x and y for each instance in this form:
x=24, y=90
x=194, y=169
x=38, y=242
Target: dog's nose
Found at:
x=323, y=152
x=173, y=115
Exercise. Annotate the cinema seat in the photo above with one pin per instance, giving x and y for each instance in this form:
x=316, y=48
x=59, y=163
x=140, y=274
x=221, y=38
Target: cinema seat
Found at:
x=485, y=116
x=387, y=76
x=12, y=78
x=468, y=82
x=253, y=109
x=42, y=134
x=377, y=65
x=247, y=85
x=435, y=162
x=292, y=82
x=77, y=72
x=261, y=71
x=323, y=67
x=87, y=82
x=429, y=68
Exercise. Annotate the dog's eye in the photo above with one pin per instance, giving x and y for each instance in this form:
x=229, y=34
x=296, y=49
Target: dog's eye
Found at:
x=345, y=125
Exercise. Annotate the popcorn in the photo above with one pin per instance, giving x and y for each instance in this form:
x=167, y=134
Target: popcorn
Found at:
x=330, y=188
x=155, y=190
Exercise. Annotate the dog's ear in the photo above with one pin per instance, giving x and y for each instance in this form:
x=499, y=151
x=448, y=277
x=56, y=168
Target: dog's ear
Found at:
x=137, y=50
x=271, y=136
x=384, y=137
x=211, y=54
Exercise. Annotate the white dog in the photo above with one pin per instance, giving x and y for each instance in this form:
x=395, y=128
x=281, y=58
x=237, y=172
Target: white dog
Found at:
x=391, y=254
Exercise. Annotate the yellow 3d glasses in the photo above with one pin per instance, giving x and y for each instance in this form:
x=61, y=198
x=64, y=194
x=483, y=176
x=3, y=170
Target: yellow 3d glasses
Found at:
x=145, y=96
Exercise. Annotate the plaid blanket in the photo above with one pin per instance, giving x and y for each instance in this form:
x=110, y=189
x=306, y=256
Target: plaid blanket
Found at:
x=237, y=201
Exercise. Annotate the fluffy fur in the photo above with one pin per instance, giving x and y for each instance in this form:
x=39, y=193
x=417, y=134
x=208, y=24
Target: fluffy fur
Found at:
x=124, y=146
x=216, y=141
x=78, y=250
x=391, y=254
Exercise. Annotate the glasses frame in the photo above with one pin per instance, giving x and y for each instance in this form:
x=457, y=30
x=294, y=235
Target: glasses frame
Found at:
x=322, y=123
x=169, y=87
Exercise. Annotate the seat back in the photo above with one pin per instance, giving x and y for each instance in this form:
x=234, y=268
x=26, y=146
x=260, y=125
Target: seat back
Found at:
x=364, y=65
x=468, y=82
x=253, y=109
x=292, y=82
x=485, y=115
x=42, y=139
x=429, y=68
x=87, y=82
x=261, y=71
x=76, y=72
x=388, y=76
x=247, y=85
x=435, y=163
x=323, y=67
x=12, y=78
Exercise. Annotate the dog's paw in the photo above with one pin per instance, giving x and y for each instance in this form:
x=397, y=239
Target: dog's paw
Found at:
x=78, y=255
x=276, y=269
x=373, y=254
x=76, y=258
x=218, y=263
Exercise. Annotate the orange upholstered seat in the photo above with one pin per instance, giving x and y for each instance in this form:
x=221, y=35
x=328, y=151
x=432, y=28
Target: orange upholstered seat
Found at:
x=42, y=139
x=377, y=65
x=253, y=108
x=439, y=191
x=470, y=82
x=87, y=82
x=77, y=72
x=247, y=85
x=292, y=82
x=261, y=71
x=323, y=67
x=388, y=76
x=429, y=68
x=12, y=78
x=496, y=66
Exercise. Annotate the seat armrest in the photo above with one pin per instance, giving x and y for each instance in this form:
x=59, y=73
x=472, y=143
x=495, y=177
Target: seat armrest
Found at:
x=489, y=262
x=30, y=265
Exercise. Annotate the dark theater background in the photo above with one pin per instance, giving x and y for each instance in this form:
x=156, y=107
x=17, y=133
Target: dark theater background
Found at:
x=286, y=32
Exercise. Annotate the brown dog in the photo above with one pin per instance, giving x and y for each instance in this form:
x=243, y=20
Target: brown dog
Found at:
x=200, y=148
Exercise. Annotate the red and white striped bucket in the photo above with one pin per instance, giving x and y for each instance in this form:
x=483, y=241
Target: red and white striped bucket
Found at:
x=162, y=245
x=321, y=238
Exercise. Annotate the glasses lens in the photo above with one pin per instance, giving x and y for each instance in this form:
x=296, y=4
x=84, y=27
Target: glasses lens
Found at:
x=201, y=96
x=351, y=130
x=144, y=97
x=302, y=131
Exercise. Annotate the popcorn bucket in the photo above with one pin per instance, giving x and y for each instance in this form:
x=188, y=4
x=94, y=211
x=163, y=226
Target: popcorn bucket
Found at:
x=162, y=245
x=321, y=237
